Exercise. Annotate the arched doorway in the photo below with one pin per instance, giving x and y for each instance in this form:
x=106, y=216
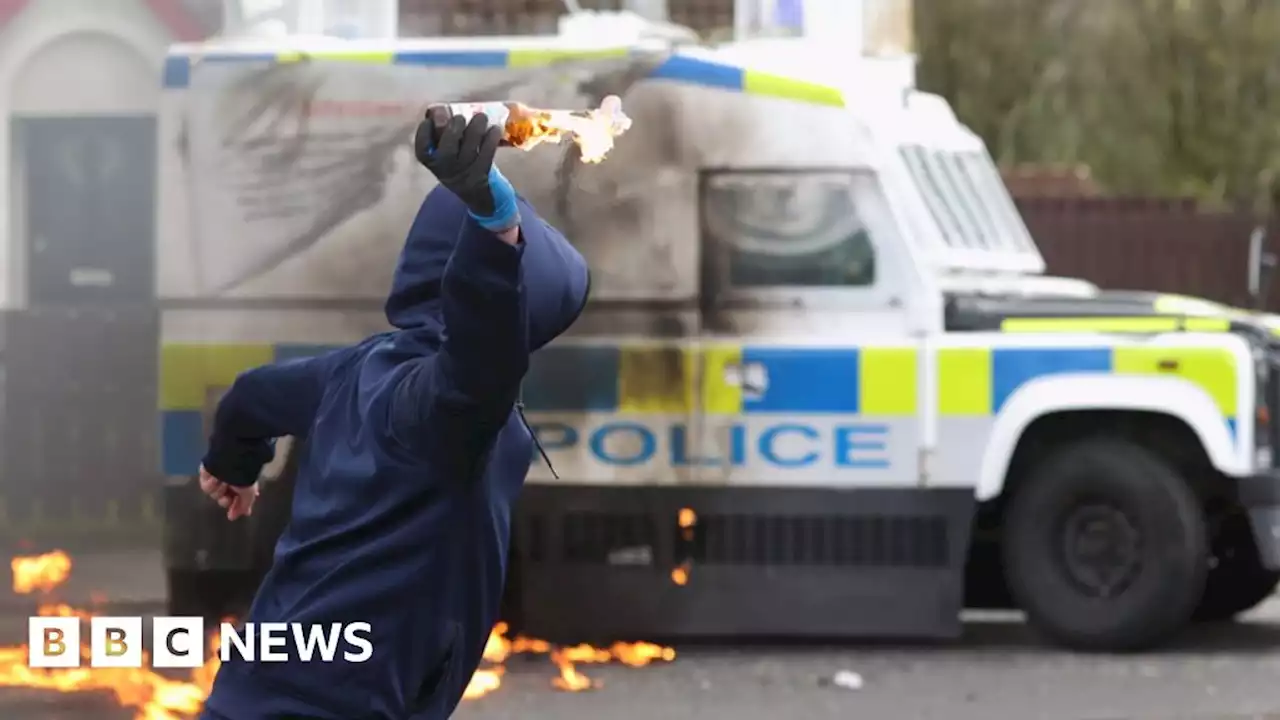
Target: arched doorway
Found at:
x=77, y=434
x=83, y=109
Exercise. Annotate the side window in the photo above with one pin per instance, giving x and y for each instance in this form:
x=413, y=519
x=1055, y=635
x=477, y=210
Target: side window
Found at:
x=1001, y=206
x=933, y=187
x=787, y=229
x=967, y=200
x=968, y=205
x=998, y=236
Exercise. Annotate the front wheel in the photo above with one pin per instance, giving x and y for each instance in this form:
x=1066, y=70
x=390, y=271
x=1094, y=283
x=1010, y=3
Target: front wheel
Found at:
x=1105, y=547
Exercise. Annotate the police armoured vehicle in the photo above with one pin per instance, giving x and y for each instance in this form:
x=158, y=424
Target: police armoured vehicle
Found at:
x=823, y=386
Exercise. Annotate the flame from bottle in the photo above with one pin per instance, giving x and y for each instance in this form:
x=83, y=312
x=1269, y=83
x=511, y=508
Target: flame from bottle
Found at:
x=593, y=131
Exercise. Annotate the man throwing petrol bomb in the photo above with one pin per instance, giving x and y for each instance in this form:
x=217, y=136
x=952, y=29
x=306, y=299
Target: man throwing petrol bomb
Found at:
x=413, y=452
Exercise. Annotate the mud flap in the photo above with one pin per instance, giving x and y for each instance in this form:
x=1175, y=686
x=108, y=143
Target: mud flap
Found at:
x=197, y=535
x=1266, y=535
x=1259, y=495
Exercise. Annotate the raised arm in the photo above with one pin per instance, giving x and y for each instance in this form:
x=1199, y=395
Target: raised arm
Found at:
x=458, y=398
x=486, y=349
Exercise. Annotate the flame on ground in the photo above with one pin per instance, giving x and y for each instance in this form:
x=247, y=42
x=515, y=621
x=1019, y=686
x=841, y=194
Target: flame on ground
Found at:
x=40, y=573
x=566, y=659
x=156, y=697
x=153, y=696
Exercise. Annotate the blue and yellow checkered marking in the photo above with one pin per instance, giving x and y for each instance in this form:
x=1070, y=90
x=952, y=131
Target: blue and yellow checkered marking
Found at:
x=660, y=379
x=678, y=68
x=189, y=375
x=813, y=381
x=1011, y=368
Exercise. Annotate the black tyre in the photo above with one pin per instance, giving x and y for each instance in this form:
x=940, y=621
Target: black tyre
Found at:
x=1105, y=547
x=1237, y=580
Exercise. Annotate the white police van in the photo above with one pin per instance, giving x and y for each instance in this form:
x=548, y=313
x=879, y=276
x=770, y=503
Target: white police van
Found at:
x=823, y=386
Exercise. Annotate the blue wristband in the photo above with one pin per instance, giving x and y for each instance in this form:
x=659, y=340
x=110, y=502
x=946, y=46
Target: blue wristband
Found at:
x=506, y=214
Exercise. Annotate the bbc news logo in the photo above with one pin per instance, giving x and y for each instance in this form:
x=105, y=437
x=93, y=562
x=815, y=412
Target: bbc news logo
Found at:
x=179, y=642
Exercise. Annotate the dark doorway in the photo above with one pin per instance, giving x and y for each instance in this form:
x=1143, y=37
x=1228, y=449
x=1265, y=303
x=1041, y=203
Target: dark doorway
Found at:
x=78, y=455
x=90, y=208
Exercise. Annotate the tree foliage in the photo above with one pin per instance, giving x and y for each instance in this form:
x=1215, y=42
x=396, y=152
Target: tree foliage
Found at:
x=1155, y=96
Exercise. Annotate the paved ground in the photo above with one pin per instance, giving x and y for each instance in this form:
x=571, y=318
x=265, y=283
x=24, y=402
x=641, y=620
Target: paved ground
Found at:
x=998, y=672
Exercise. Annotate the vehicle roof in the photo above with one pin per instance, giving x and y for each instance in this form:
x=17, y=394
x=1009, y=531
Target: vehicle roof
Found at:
x=517, y=52
x=904, y=119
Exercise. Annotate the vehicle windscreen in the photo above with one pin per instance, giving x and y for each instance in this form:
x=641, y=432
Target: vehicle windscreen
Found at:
x=788, y=229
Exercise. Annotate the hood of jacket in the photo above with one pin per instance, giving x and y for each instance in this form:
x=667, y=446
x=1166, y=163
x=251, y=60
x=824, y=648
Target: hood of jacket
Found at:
x=555, y=276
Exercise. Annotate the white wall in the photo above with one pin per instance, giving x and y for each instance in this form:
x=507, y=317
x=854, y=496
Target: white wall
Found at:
x=68, y=57
x=849, y=28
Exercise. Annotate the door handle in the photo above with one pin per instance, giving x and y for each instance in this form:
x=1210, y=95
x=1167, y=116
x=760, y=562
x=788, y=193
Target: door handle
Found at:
x=752, y=378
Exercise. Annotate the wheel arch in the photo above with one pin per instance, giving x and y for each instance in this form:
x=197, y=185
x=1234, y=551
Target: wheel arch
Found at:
x=1073, y=399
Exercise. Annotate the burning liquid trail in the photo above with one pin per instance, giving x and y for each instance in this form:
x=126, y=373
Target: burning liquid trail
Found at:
x=499, y=648
x=157, y=697
x=40, y=572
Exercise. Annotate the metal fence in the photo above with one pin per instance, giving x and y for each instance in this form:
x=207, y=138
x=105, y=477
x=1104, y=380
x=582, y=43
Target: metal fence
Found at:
x=1168, y=245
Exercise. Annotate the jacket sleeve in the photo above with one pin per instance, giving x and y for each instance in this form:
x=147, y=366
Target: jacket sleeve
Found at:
x=457, y=399
x=264, y=404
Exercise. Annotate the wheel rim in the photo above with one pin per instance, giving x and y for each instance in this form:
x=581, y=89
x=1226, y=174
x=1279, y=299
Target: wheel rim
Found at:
x=1100, y=549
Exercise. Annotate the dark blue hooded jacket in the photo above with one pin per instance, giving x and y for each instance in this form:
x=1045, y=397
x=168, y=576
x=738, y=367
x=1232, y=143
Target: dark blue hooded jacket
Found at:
x=415, y=454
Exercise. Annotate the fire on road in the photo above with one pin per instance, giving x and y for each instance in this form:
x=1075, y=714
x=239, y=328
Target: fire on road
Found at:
x=156, y=697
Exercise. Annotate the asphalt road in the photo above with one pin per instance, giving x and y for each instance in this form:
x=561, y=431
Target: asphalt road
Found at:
x=997, y=672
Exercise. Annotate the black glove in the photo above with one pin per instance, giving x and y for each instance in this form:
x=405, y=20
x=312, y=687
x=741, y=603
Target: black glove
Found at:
x=460, y=154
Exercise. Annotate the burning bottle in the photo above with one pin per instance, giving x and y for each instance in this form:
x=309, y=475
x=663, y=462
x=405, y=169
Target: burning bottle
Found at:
x=525, y=127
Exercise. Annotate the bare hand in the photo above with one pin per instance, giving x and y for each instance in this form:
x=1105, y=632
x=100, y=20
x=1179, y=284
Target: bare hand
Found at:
x=510, y=237
x=237, y=501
